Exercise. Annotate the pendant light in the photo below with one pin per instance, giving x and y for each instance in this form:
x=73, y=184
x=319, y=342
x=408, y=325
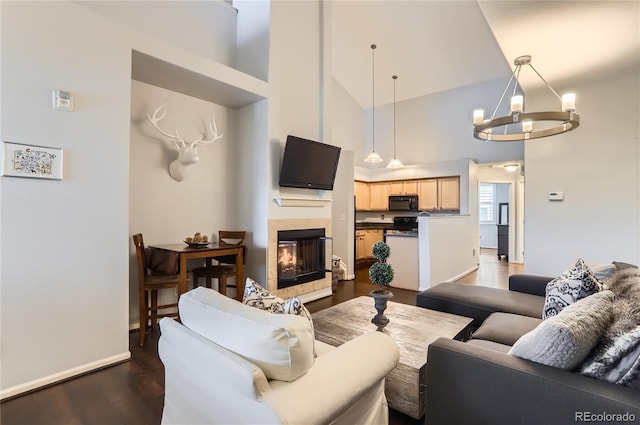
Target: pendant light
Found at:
x=373, y=157
x=395, y=162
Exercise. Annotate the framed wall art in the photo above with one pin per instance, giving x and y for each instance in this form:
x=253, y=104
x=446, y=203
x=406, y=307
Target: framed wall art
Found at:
x=19, y=160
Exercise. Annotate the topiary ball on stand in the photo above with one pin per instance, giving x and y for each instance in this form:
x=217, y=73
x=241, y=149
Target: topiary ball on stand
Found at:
x=381, y=274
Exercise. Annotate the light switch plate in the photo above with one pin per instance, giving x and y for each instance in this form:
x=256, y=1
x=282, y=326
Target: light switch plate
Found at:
x=556, y=196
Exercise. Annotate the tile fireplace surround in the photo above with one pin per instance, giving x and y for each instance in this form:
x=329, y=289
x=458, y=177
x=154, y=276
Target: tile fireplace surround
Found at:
x=306, y=291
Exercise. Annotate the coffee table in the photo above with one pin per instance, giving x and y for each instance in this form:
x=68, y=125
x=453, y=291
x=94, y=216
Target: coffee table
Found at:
x=412, y=328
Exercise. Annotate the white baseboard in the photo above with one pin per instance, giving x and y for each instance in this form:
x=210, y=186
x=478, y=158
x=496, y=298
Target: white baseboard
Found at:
x=463, y=274
x=61, y=376
x=350, y=277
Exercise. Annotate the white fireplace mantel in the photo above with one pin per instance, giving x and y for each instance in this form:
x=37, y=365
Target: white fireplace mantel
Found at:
x=301, y=202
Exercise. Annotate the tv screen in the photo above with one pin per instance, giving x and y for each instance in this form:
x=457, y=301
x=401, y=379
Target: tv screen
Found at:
x=309, y=164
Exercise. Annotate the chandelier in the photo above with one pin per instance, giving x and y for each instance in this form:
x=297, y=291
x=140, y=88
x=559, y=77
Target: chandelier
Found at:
x=521, y=125
x=395, y=162
x=373, y=157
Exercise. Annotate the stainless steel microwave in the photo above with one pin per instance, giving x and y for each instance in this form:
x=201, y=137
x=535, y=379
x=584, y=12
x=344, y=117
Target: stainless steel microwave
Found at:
x=403, y=203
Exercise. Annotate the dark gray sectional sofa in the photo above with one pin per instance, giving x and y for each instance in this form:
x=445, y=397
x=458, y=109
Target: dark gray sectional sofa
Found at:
x=478, y=382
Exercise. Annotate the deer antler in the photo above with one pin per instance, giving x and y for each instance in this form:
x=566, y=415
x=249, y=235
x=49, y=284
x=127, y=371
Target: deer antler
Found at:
x=214, y=134
x=155, y=119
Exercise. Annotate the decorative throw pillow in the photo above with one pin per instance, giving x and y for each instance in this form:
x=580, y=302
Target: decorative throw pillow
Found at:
x=565, y=340
x=617, y=362
x=574, y=284
x=257, y=296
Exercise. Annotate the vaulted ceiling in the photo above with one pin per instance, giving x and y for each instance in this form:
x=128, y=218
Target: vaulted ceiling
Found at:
x=439, y=45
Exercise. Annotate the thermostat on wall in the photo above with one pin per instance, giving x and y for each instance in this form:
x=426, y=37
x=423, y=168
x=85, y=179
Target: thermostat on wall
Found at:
x=556, y=196
x=62, y=100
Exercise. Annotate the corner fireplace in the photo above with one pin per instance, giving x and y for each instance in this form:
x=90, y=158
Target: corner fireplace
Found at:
x=302, y=256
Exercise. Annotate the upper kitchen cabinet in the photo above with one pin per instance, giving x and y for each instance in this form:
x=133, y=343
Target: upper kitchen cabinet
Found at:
x=442, y=193
x=449, y=193
x=403, y=187
x=363, y=196
x=428, y=194
x=439, y=194
x=380, y=195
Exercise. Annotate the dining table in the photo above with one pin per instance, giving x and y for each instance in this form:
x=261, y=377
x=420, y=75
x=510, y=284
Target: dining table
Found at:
x=211, y=250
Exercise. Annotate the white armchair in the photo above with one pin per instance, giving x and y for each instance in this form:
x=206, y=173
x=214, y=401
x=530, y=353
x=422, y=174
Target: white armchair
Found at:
x=209, y=378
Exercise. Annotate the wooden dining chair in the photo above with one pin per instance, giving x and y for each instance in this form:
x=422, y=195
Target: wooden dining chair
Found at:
x=226, y=264
x=149, y=283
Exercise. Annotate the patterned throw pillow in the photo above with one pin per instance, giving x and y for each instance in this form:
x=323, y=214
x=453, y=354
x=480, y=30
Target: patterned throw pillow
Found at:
x=576, y=283
x=257, y=296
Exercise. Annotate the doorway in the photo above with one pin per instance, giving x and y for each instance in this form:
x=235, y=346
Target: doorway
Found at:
x=501, y=211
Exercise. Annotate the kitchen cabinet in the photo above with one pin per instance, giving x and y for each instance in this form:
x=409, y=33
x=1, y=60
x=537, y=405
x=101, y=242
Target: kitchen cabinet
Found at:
x=428, y=194
x=441, y=193
x=371, y=237
x=380, y=195
x=361, y=247
x=449, y=193
x=365, y=239
x=363, y=196
x=403, y=187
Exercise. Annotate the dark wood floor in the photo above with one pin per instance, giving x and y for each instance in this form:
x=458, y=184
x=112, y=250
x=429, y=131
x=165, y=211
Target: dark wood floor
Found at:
x=132, y=392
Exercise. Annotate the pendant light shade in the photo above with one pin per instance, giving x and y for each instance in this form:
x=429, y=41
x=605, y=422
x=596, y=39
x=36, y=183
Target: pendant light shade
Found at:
x=395, y=162
x=373, y=157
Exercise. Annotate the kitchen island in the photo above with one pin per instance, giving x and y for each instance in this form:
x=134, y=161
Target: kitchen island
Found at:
x=404, y=260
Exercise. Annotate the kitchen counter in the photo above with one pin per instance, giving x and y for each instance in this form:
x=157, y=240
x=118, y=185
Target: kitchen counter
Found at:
x=372, y=225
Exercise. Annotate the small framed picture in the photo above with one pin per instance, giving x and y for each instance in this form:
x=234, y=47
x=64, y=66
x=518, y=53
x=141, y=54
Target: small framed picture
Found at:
x=19, y=160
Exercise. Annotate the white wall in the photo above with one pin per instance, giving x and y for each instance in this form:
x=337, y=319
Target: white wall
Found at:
x=207, y=28
x=343, y=220
x=162, y=209
x=597, y=168
x=65, y=244
x=69, y=292
x=437, y=128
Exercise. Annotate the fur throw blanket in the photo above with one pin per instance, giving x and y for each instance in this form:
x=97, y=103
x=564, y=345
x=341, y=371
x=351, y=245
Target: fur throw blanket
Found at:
x=616, y=358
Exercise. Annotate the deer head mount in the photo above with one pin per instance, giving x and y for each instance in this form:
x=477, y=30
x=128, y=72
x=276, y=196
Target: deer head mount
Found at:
x=187, y=152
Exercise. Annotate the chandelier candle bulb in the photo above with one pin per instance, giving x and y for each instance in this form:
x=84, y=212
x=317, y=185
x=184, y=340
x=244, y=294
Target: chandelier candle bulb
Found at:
x=478, y=116
x=569, y=102
x=527, y=126
x=516, y=104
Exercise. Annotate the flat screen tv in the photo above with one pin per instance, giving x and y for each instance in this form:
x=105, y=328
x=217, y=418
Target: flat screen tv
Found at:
x=309, y=164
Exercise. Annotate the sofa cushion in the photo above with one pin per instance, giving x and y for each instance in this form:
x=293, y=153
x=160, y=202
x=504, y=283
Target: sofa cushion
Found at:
x=564, y=340
x=280, y=344
x=505, y=328
x=478, y=302
x=574, y=284
x=489, y=345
